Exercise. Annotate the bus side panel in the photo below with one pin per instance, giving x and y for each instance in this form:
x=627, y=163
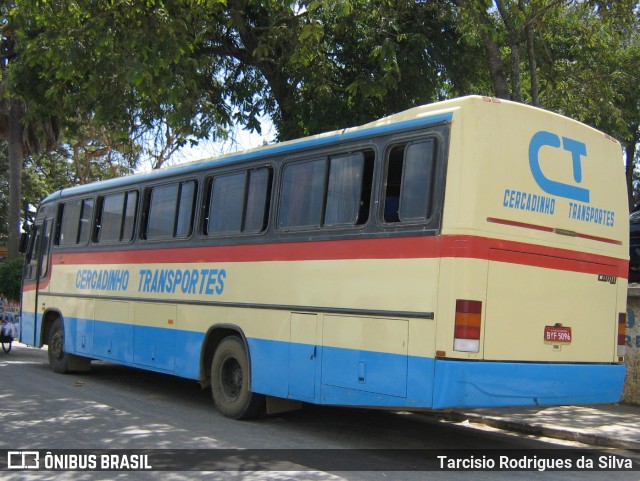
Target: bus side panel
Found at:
x=28, y=318
x=354, y=367
x=366, y=354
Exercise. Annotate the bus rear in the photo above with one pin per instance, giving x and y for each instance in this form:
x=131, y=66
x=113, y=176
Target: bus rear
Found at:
x=534, y=266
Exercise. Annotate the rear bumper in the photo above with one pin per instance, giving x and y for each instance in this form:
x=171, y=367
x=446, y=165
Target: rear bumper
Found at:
x=495, y=384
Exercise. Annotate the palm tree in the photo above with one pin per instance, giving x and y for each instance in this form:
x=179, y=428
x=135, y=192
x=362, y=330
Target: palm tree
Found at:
x=24, y=137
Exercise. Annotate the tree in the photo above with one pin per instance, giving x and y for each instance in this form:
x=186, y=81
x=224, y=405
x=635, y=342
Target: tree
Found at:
x=176, y=71
x=10, y=278
x=193, y=68
x=573, y=57
x=25, y=135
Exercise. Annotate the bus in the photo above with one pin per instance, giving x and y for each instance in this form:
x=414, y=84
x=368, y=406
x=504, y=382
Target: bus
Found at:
x=467, y=253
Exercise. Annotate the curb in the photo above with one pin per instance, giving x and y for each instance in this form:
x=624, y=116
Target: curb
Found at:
x=593, y=439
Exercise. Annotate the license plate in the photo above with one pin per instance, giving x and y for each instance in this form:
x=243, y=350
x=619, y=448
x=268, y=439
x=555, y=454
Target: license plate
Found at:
x=557, y=334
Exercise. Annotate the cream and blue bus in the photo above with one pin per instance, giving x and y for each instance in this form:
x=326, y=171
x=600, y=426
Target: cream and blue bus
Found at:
x=467, y=253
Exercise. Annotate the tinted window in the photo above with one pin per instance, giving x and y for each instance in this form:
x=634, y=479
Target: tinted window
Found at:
x=417, y=182
x=257, y=203
x=225, y=207
x=186, y=201
x=409, y=182
x=238, y=202
x=334, y=191
x=31, y=261
x=302, y=196
x=162, y=211
x=111, y=220
x=69, y=225
x=116, y=217
x=45, y=247
x=86, y=215
x=74, y=223
x=170, y=210
x=344, y=189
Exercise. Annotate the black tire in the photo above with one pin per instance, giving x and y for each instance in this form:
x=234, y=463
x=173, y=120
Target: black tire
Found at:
x=58, y=359
x=6, y=346
x=230, y=371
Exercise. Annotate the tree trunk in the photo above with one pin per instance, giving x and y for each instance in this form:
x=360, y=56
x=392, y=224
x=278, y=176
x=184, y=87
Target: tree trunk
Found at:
x=514, y=46
x=16, y=160
x=630, y=153
x=492, y=49
x=496, y=69
x=531, y=54
x=533, y=67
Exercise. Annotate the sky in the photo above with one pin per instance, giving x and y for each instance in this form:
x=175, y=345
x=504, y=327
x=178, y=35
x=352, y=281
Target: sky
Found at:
x=239, y=139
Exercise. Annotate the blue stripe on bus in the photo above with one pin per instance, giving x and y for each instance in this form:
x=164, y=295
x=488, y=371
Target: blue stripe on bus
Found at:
x=167, y=350
x=275, y=149
x=365, y=378
x=330, y=375
x=496, y=384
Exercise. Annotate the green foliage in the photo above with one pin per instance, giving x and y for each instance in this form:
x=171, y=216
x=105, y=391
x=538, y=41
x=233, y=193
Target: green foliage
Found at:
x=583, y=59
x=11, y=278
x=127, y=64
x=122, y=75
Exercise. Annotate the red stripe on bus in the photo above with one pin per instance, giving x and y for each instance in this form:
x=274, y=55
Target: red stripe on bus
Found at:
x=542, y=256
x=543, y=228
x=422, y=247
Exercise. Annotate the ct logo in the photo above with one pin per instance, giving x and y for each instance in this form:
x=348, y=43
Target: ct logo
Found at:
x=575, y=148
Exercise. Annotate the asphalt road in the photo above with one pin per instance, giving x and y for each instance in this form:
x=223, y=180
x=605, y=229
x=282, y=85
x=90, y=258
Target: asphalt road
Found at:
x=115, y=407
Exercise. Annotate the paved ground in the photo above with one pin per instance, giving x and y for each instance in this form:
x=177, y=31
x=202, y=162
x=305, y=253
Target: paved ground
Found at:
x=610, y=425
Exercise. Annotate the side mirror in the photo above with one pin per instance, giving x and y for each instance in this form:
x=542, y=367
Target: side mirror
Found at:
x=24, y=243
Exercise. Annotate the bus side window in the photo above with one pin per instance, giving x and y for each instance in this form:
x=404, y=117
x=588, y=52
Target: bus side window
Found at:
x=257, y=201
x=169, y=210
x=238, y=202
x=409, y=182
x=45, y=247
x=394, y=181
x=349, y=189
x=115, y=217
x=38, y=252
x=86, y=214
x=327, y=192
x=73, y=224
x=302, y=194
x=31, y=260
x=226, y=204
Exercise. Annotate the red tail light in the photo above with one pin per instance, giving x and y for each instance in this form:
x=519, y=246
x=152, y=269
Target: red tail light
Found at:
x=468, y=325
x=622, y=332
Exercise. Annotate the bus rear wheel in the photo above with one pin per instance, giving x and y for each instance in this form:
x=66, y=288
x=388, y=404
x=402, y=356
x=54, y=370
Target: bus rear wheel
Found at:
x=230, y=370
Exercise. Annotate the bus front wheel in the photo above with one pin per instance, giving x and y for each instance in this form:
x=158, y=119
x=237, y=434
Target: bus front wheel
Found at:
x=57, y=357
x=59, y=360
x=230, y=370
